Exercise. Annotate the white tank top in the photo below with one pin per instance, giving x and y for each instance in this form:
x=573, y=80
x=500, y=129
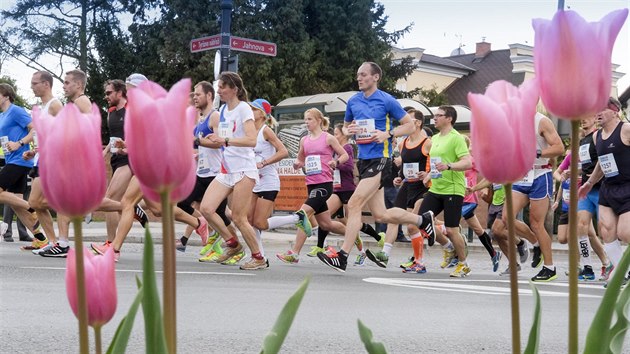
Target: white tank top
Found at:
x=541, y=164
x=208, y=162
x=268, y=176
x=45, y=108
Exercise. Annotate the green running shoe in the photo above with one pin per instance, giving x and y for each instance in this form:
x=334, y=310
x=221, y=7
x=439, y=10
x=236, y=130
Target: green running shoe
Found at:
x=303, y=223
x=235, y=259
x=211, y=241
x=409, y=263
x=314, y=251
x=381, y=242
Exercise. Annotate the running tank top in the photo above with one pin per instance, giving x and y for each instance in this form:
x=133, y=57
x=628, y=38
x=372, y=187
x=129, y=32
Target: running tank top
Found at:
x=614, y=157
x=268, y=179
x=471, y=180
x=317, y=154
x=414, y=159
x=45, y=109
x=541, y=164
x=208, y=160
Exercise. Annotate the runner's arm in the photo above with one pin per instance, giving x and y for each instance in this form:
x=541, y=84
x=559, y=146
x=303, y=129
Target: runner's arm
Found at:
x=281, y=150
x=548, y=131
x=339, y=150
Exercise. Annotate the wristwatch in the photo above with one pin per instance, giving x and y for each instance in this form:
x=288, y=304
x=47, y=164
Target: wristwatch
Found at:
x=391, y=133
x=538, y=153
x=21, y=142
x=227, y=141
x=448, y=165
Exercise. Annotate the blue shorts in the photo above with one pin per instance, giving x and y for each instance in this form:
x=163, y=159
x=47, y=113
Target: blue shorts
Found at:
x=468, y=210
x=591, y=202
x=541, y=188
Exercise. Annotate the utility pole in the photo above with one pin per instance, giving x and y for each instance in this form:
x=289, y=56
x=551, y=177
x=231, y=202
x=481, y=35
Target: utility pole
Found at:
x=226, y=24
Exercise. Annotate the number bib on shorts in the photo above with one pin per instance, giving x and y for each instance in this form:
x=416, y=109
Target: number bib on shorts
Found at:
x=434, y=171
x=364, y=136
x=585, y=156
x=336, y=179
x=313, y=165
x=609, y=165
x=410, y=170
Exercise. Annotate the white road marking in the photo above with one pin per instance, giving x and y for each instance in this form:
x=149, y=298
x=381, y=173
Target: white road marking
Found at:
x=157, y=271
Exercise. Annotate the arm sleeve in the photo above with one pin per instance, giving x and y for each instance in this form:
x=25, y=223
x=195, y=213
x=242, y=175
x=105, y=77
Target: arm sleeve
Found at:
x=461, y=149
x=23, y=119
x=566, y=162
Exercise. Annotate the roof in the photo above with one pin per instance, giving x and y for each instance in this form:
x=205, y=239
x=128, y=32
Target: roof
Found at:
x=496, y=65
x=433, y=59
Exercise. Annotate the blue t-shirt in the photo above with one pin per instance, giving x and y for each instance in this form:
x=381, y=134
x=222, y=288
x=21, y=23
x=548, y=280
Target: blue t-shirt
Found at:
x=13, y=124
x=380, y=107
x=565, y=186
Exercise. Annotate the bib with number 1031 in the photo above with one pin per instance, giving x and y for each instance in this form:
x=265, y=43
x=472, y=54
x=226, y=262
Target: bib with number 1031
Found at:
x=367, y=126
x=313, y=165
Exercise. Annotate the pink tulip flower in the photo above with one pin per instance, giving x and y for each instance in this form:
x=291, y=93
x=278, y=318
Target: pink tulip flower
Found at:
x=159, y=139
x=100, y=284
x=502, y=130
x=71, y=164
x=572, y=59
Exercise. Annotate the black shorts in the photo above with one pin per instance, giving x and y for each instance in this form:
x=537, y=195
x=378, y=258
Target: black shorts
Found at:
x=318, y=195
x=494, y=212
x=564, y=218
x=344, y=196
x=450, y=204
x=409, y=194
x=13, y=178
x=371, y=167
x=34, y=172
x=616, y=197
x=267, y=195
x=118, y=161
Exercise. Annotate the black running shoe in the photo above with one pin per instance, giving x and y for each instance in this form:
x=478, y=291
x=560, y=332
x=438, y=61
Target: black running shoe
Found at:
x=141, y=216
x=537, y=258
x=523, y=251
x=544, y=275
x=335, y=261
x=428, y=226
x=55, y=251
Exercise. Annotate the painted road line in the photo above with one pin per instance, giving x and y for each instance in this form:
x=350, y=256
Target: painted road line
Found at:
x=157, y=271
x=560, y=283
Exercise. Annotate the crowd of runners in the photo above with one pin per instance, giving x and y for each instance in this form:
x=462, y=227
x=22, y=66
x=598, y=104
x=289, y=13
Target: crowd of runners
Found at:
x=237, y=181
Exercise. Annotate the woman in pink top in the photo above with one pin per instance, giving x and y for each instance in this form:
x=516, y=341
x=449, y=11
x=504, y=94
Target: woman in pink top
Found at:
x=316, y=158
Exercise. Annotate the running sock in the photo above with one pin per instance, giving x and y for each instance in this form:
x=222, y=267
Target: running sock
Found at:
x=520, y=244
x=449, y=246
x=63, y=242
x=258, y=256
x=321, y=237
x=613, y=250
x=387, y=247
x=315, y=231
x=259, y=241
x=183, y=240
x=537, y=244
x=585, y=251
x=487, y=243
x=550, y=267
x=233, y=242
x=40, y=236
x=277, y=221
x=417, y=241
x=369, y=230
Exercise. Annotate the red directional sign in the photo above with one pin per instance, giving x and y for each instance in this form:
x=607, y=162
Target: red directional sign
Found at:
x=253, y=46
x=205, y=43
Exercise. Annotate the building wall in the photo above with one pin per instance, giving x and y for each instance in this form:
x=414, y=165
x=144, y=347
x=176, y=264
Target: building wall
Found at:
x=425, y=80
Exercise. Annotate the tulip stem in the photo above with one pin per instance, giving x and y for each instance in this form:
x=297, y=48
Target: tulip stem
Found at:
x=81, y=294
x=573, y=239
x=170, y=290
x=516, y=322
x=97, y=338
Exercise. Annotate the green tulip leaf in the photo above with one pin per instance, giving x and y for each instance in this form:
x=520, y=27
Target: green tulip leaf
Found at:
x=153, y=325
x=599, y=334
x=619, y=329
x=273, y=341
x=534, y=333
x=121, y=338
x=366, y=337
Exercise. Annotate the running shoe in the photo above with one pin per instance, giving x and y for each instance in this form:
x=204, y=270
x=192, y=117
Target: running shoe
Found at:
x=360, y=261
x=587, y=273
x=235, y=259
x=447, y=257
x=359, y=243
x=381, y=242
x=36, y=244
x=87, y=218
x=208, y=246
x=380, y=258
x=3, y=229
x=303, y=223
x=101, y=249
x=496, y=259
x=606, y=272
x=330, y=251
x=523, y=251
x=461, y=271
x=37, y=251
x=314, y=251
x=210, y=257
x=116, y=256
x=337, y=262
x=289, y=257
x=55, y=251
x=415, y=268
x=229, y=252
x=537, y=258
x=253, y=264
x=409, y=263
x=545, y=275
x=507, y=270
x=202, y=230
x=179, y=245
x=140, y=215
x=453, y=263
x=428, y=226
x=579, y=271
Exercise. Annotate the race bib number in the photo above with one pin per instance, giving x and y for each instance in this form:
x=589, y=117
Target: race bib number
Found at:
x=585, y=156
x=112, y=144
x=313, y=165
x=410, y=171
x=609, y=166
x=364, y=136
x=528, y=180
x=4, y=141
x=226, y=129
x=35, y=141
x=434, y=171
x=203, y=165
x=566, y=195
x=336, y=179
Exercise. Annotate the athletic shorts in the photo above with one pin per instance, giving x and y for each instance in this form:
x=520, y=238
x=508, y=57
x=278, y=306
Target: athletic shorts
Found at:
x=34, y=172
x=409, y=194
x=591, y=202
x=267, y=195
x=231, y=179
x=344, y=196
x=201, y=184
x=450, y=204
x=468, y=210
x=616, y=197
x=563, y=219
x=541, y=188
x=494, y=212
x=13, y=178
x=318, y=195
x=371, y=167
x=118, y=161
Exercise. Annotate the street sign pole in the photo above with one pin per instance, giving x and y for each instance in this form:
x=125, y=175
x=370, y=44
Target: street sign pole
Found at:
x=226, y=23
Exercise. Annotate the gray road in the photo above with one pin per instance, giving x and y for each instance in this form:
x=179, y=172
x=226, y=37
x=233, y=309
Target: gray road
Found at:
x=222, y=309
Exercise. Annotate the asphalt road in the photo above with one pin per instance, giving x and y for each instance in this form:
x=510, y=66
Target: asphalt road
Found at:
x=222, y=309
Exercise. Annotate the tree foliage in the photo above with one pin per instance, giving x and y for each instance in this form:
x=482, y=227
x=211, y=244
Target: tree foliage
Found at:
x=19, y=100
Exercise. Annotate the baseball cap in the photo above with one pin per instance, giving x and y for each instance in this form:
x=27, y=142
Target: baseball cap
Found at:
x=614, y=104
x=262, y=105
x=135, y=79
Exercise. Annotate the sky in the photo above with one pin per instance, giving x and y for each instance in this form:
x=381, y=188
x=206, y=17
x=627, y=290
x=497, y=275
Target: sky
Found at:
x=442, y=25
